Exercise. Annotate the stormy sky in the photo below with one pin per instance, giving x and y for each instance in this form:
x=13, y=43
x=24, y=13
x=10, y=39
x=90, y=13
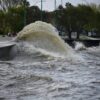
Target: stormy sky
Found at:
x=49, y=4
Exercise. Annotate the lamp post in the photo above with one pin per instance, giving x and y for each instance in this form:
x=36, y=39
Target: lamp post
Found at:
x=41, y=9
x=41, y=4
x=55, y=4
x=62, y=2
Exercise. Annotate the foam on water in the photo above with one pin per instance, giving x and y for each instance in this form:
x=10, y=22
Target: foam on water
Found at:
x=79, y=46
x=94, y=49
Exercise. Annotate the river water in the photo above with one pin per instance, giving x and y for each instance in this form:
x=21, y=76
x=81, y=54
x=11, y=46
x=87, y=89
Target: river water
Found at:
x=43, y=78
x=45, y=68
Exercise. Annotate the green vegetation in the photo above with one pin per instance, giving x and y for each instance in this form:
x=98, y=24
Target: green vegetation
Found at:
x=15, y=14
x=78, y=18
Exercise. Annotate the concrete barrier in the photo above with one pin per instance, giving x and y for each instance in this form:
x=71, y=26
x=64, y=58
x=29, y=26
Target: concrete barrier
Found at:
x=87, y=43
x=6, y=50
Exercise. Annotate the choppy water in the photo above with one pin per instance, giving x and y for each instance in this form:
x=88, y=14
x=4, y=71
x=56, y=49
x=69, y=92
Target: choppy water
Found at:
x=44, y=78
x=39, y=72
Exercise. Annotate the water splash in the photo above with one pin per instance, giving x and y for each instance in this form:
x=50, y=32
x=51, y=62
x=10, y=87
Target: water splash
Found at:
x=79, y=46
x=43, y=37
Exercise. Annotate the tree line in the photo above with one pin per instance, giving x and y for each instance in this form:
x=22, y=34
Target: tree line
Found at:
x=81, y=18
x=15, y=14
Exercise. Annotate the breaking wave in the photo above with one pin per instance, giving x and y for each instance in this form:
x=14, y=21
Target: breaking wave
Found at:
x=43, y=38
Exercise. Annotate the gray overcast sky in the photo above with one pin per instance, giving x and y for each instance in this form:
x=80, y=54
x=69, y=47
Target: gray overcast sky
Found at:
x=49, y=4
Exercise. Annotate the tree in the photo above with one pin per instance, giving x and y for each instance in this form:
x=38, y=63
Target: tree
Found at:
x=12, y=15
x=33, y=14
x=15, y=18
x=2, y=22
x=6, y=4
x=77, y=18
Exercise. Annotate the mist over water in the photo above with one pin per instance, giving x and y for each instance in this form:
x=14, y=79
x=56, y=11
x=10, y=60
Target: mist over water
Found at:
x=42, y=69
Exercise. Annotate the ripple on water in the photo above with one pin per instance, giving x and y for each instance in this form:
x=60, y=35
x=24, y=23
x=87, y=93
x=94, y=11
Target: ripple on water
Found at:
x=56, y=79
